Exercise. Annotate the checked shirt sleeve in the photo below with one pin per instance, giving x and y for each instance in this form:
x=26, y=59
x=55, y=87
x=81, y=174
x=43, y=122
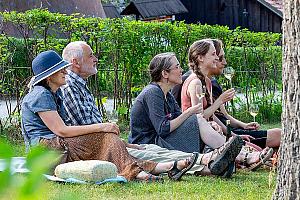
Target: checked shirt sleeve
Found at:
x=80, y=107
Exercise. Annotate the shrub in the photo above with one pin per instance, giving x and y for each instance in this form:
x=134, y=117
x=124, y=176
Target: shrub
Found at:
x=124, y=49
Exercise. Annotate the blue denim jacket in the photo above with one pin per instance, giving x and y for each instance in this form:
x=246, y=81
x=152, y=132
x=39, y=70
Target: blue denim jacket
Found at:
x=39, y=99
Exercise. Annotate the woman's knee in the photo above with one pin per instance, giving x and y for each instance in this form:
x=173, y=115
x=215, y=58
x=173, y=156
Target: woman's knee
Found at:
x=274, y=133
x=273, y=137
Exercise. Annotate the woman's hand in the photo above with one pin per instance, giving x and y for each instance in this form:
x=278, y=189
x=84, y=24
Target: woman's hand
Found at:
x=252, y=126
x=216, y=126
x=247, y=137
x=111, y=128
x=197, y=109
x=226, y=96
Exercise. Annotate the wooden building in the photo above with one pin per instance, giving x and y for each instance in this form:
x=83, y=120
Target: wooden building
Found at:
x=256, y=15
x=110, y=10
x=154, y=9
x=92, y=9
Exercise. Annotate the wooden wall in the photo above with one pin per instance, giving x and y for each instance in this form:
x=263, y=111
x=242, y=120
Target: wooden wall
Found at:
x=245, y=13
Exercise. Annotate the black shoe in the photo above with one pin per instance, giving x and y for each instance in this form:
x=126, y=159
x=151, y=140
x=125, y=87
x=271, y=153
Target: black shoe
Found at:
x=229, y=170
x=226, y=155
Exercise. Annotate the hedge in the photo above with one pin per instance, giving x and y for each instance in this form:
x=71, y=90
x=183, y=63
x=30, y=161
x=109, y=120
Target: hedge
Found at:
x=124, y=49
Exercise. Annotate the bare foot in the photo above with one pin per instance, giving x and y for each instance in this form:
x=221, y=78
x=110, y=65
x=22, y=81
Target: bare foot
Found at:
x=144, y=176
x=181, y=164
x=252, y=157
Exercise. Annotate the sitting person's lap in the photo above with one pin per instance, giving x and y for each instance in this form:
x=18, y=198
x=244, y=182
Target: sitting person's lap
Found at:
x=100, y=146
x=185, y=138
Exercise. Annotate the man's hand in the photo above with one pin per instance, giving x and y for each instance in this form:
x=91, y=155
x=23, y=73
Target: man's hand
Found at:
x=252, y=126
x=111, y=128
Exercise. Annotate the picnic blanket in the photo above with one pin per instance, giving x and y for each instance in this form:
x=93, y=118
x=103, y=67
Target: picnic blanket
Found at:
x=18, y=165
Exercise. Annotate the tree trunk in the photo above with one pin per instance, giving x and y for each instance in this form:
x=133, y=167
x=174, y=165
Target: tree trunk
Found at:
x=288, y=179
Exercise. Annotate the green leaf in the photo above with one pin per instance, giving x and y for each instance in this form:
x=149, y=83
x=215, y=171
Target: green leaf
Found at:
x=104, y=100
x=39, y=161
x=122, y=110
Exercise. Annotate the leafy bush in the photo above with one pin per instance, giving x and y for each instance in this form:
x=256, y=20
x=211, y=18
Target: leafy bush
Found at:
x=124, y=49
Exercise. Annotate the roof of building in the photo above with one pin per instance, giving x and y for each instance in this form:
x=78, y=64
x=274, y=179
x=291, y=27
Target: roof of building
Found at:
x=111, y=10
x=92, y=9
x=274, y=5
x=154, y=8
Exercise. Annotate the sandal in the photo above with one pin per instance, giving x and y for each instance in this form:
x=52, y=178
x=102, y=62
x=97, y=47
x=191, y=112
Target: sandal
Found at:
x=229, y=170
x=176, y=174
x=225, y=156
x=272, y=162
x=245, y=163
x=263, y=157
x=268, y=164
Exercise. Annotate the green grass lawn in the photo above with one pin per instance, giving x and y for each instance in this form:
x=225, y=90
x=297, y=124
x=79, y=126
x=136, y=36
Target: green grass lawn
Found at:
x=243, y=185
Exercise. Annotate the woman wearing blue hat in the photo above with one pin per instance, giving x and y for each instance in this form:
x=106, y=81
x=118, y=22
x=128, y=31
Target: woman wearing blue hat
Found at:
x=43, y=123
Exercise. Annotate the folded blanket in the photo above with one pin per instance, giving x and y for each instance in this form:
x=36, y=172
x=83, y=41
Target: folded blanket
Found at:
x=118, y=179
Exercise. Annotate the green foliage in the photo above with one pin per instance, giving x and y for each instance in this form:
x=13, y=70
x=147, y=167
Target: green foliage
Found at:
x=243, y=186
x=10, y=128
x=124, y=49
x=5, y=153
x=32, y=186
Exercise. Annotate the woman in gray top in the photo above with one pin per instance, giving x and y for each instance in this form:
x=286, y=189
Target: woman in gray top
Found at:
x=157, y=119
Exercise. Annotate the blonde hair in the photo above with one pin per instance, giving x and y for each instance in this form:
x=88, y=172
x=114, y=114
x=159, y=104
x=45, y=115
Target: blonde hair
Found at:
x=199, y=48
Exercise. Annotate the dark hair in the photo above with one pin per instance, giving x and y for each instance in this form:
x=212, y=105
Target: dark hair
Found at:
x=44, y=84
x=218, y=45
x=159, y=63
x=200, y=47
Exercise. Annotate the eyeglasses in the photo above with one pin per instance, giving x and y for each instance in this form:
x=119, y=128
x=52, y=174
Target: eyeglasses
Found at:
x=174, y=67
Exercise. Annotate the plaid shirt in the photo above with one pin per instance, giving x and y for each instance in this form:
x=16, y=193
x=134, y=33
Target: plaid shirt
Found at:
x=79, y=102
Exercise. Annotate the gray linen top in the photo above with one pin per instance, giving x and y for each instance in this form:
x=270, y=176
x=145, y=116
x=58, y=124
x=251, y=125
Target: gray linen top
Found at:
x=151, y=114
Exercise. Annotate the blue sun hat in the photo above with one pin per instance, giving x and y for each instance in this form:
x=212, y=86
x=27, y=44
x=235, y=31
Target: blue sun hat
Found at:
x=45, y=64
